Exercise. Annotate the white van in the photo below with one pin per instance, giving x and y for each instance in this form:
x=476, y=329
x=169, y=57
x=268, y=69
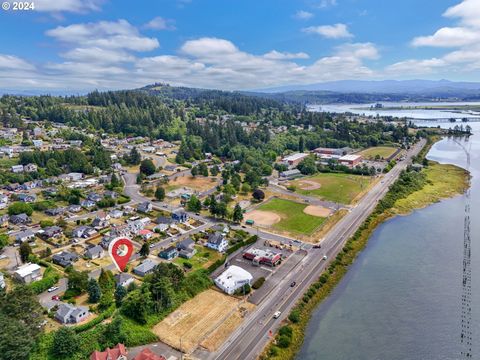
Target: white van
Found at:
x=277, y=315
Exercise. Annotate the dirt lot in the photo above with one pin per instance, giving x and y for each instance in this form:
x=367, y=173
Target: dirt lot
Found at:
x=317, y=211
x=199, y=183
x=208, y=319
x=308, y=185
x=263, y=218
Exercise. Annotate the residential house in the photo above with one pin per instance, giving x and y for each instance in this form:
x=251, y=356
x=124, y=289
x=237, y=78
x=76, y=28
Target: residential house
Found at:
x=88, y=204
x=186, y=248
x=123, y=279
x=169, y=253
x=119, y=352
x=145, y=234
x=50, y=232
x=147, y=354
x=127, y=210
x=110, y=194
x=37, y=132
x=120, y=230
x=20, y=219
x=70, y=314
x=27, y=198
x=3, y=201
x=145, y=207
x=94, y=197
x=2, y=281
x=56, y=211
x=24, y=236
x=100, y=222
x=116, y=214
x=105, y=242
x=217, y=241
x=4, y=220
x=74, y=208
x=223, y=228
x=13, y=187
x=164, y=220
x=65, y=258
x=95, y=252
x=37, y=143
x=30, y=168
x=75, y=176
x=146, y=267
x=17, y=169
x=83, y=231
x=28, y=273
x=290, y=174
x=180, y=215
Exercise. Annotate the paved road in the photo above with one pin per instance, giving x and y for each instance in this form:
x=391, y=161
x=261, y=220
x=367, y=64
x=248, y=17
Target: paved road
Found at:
x=45, y=298
x=248, y=341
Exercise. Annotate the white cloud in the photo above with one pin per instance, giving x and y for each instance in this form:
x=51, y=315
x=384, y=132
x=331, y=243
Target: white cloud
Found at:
x=277, y=55
x=465, y=37
x=104, y=34
x=303, y=15
x=337, y=31
x=75, y=6
x=326, y=3
x=10, y=62
x=159, y=23
x=358, y=50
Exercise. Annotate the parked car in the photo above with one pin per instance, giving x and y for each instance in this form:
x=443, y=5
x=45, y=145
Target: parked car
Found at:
x=56, y=298
x=277, y=314
x=317, y=246
x=325, y=257
x=53, y=288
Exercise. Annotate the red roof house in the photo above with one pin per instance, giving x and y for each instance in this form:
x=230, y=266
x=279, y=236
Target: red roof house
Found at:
x=147, y=354
x=119, y=352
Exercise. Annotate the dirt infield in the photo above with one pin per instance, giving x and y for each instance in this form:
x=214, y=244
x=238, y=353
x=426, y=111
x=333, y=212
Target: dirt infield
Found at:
x=207, y=319
x=309, y=185
x=317, y=211
x=263, y=218
x=199, y=183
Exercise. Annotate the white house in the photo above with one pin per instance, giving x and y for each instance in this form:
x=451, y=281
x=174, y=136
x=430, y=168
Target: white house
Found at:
x=217, y=241
x=233, y=278
x=28, y=273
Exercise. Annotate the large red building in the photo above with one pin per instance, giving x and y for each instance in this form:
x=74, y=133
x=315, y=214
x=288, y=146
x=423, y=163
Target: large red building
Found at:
x=262, y=257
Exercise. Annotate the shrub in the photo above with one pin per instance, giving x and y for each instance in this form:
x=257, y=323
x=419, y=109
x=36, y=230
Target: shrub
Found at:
x=258, y=283
x=294, y=316
x=284, y=341
x=50, y=278
x=285, y=331
x=187, y=264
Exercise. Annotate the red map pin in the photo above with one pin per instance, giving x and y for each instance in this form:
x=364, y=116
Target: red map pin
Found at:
x=120, y=250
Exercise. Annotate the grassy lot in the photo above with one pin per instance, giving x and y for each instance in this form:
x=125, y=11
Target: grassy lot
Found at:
x=382, y=151
x=444, y=181
x=293, y=218
x=202, y=259
x=340, y=188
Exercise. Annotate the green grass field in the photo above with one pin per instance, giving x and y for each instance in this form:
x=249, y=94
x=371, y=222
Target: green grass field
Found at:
x=293, y=218
x=340, y=188
x=202, y=259
x=382, y=151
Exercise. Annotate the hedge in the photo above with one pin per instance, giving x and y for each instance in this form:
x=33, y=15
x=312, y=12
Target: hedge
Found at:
x=258, y=283
x=104, y=315
x=50, y=278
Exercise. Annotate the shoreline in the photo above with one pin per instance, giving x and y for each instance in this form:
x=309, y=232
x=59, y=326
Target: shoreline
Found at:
x=291, y=335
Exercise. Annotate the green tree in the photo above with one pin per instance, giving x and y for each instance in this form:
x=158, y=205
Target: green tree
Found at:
x=20, y=208
x=65, y=343
x=144, y=250
x=94, y=291
x=120, y=293
x=77, y=281
x=214, y=170
x=307, y=166
x=160, y=193
x=237, y=214
x=147, y=167
x=194, y=204
x=114, y=333
x=222, y=209
x=194, y=171
x=138, y=304
x=106, y=281
x=25, y=250
x=213, y=205
x=106, y=300
x=258, y=195
x=133, y=157
x=203, y=169
x=115, y=181
x=245, y=189
x=4, y=241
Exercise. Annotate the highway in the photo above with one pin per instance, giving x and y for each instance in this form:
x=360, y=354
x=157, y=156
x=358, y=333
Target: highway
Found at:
x=249, y=340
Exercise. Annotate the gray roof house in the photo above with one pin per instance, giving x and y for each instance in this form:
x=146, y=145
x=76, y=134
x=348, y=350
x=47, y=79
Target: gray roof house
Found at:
x=217, y=242
x=83, y=231
x=95, y=252
x=146, y=267
x=51, y=231
x=23, y=236
x=20, y=219
x=69, y=314
x=123, y=279
x=145, y=207
x=65, y=258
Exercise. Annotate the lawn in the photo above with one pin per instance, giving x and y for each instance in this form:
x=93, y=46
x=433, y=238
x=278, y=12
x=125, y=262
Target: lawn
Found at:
x=201, y=260
x=384, y=152
x=339, y=188
x=293, y=219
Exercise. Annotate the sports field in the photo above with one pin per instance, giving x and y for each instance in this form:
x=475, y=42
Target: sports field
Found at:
x=384, y=152
x=290, y=216
x=339, y=188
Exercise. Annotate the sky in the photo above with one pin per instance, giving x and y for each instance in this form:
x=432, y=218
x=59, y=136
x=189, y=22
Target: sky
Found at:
x=81, y=45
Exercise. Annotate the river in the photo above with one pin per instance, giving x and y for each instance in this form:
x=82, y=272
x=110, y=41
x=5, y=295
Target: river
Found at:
x=401, y=299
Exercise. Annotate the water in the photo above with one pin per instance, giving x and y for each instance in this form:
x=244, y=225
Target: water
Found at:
x=364, y=109
x=401, y=299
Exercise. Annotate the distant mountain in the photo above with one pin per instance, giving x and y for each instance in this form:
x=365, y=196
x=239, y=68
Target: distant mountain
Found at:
x=384, y=87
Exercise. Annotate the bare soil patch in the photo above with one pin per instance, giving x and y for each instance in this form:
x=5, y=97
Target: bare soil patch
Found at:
x=317, y=211
x=198, y=183
x=309, y=185
x=263, y=218
x=207, y=319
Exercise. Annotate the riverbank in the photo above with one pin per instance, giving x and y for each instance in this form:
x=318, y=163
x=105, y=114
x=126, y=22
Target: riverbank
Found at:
x=411, y=191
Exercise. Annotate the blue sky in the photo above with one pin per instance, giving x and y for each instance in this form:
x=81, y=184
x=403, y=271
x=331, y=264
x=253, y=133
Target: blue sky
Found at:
x=78, y=45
